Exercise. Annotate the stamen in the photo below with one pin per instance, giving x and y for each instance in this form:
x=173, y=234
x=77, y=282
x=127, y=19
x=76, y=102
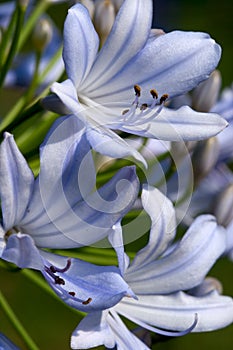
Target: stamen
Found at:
x=137, y=90
x=125, y=111
x=163, y=98
x=144, y=106
x=55, y=269
x=154, y=94
x=72, y=294
x=86, y=302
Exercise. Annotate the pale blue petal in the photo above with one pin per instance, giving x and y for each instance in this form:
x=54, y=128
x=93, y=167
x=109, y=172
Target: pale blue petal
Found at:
x=181, y=124
x=16, y=182
x=173, y=63
x=85, y=286
x=187, y=264
x=91, y=219
x=67, y=93
x=163, y=227
x=116, y=239
x=6, y=344
x=177, y=311
x=21, y=250
x=93, y=331
x=110, y=144
x=2, y=240
x=81, y=44
x=127, y=37
x=123, y=337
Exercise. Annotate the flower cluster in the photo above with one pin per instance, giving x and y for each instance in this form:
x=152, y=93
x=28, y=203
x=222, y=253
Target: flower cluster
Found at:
x=129, y=143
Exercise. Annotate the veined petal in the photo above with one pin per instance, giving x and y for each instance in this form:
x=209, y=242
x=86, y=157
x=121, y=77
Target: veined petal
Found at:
x=81, y=44
x=93, y=331
x=181, y=124
x=177, y=311
x=21, y=250
x=163, y=227
x=85, y=286
x=187, y=264
x=65, y=158
x=173, y=63
x=92, y=219
x=2, y=240
x=67, y=93
x=6, y=344
x=123, y=337
x=110, y=144
x=16, y=182
x=129, y=34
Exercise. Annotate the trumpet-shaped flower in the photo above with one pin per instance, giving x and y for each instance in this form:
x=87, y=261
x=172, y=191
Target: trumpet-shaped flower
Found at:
x=134, y=60
x=160, y=275
x=60, y=209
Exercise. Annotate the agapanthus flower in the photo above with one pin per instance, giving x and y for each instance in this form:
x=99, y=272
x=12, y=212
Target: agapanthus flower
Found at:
x=60, y=209
x=163, y=275
x=134, y=60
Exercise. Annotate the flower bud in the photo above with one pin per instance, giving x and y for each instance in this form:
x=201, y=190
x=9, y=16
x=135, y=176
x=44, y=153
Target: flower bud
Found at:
x=204, y=158
x=89, y=4
x=205, y=95
x=42, y=34
x=223, y=209
x=104, y=18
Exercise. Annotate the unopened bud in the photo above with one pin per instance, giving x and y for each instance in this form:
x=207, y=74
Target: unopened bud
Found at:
x=208, y=285
x=104, y=18
x=204, y=158
x=89, y=4
x=223, y=209
x=42, y=34
x=206, y=94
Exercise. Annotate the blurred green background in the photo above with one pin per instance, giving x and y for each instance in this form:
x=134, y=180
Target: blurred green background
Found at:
x=49, y=322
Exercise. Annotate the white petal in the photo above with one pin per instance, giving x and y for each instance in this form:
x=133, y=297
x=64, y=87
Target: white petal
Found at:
x=173, y=63
x=110, y=144
x=16, y=182
x=177, y=311
x=187, y=264
x=93, y=331
x=21, y=250
x=128, y=35
x=163, y=227
x=81, y=44
x=181, y=124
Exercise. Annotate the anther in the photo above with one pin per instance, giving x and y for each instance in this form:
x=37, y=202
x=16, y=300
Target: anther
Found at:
x=58, y=280
x=154, y=93
x=125, y=111
x=163, y=98
x=144, y=106
x=137, y=90
x=72, y=294
x=86, y=302
x=55, y=269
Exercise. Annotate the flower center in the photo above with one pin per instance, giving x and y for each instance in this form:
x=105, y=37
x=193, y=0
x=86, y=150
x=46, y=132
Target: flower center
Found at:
x=13, y=230
x=141, y=113
x=59, y=281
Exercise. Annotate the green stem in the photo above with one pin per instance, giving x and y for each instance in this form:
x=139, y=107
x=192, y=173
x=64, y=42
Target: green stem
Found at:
x=6, y=38
x=14, y=44
x=16, y=323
